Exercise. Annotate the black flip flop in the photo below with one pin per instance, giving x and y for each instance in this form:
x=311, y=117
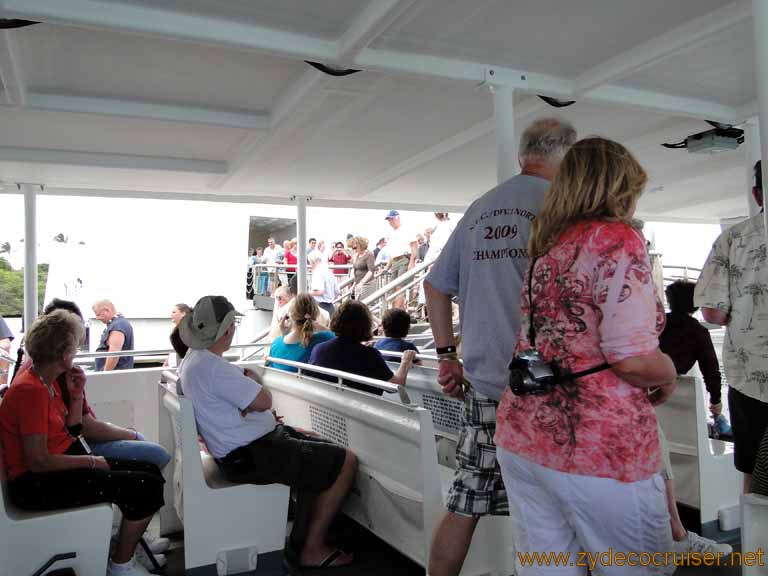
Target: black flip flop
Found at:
x=328, y=562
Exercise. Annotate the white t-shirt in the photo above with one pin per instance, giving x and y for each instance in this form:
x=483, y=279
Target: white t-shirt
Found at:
x=399, y=241
x=483, y=264
x=439, y=239
x=219, y=391
x=383, y=256
x=322, y=279
x=270, y=255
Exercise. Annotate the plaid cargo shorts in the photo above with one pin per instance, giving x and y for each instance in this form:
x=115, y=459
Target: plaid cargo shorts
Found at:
x=478, y=489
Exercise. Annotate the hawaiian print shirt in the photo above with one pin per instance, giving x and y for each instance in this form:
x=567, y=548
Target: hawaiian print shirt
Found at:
x=735, y=280
x=594, y=302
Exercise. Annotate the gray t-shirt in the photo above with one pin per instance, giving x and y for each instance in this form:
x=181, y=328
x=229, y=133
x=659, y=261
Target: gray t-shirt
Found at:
x=483, y=264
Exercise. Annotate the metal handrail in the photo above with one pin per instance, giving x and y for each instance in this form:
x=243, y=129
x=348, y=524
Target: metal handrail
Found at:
x=404, y=289
x=392, y=353
x=396, y=283
x=279, y=266
x=341, y=375
x=121, y=353
x=173, y=377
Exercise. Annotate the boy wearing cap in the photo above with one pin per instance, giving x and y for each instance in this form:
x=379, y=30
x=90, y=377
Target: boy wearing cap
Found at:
x=233, y=414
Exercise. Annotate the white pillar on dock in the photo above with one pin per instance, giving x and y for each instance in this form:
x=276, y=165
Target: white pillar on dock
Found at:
x=301, y=238
x=760, y=28
x=30, y=253
x=506, y=142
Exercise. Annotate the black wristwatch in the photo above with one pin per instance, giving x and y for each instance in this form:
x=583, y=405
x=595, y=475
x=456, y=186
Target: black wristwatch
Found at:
x=445, y=350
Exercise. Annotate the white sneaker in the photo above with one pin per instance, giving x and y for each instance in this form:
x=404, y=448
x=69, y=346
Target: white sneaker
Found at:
x=141, y=557
x=157, y=545
x=130, y=568
x=696, y=543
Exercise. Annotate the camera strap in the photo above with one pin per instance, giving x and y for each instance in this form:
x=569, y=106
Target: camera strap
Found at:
x=532, y=329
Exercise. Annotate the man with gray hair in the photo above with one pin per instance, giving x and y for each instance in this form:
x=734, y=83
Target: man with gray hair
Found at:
x=483, y=264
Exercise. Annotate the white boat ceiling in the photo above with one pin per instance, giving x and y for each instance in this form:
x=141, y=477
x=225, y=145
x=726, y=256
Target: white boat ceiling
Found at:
x=213, y=97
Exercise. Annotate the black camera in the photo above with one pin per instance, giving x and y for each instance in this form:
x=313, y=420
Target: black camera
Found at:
x=529, y=373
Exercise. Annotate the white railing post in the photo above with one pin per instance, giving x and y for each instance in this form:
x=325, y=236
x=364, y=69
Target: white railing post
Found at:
x=301, y=238
x=30, y=254
x=760, y=25
x=506, y=141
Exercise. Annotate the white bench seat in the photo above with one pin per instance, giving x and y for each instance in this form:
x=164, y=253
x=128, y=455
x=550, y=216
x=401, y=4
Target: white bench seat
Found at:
x=222, y=520
x=29, y=539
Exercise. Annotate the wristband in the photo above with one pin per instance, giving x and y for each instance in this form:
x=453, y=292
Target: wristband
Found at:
x=448, y=357
x=445, y=350
x=76, y=398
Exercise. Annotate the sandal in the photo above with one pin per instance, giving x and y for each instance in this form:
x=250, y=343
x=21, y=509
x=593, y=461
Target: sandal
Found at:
x=329, y=561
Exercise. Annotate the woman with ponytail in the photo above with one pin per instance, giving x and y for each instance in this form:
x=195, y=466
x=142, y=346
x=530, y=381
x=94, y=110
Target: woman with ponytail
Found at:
x=298, y=343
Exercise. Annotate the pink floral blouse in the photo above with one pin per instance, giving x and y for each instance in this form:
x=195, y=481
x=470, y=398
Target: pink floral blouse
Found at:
x=598, y=425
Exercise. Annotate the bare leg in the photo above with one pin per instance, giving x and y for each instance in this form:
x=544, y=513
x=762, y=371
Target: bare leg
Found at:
x=326, y=506
x=451, y=544
x=678, y=530
x=128, y=538
x=747, y=483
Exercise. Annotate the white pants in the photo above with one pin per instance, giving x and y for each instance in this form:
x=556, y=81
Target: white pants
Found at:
x=586, y=516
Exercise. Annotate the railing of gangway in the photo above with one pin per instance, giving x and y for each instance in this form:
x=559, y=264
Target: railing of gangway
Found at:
x=688, y=272
x=263, y=279
x=379, y=298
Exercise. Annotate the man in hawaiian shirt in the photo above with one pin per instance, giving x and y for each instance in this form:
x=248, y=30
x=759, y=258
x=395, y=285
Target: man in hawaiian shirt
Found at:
x=732, y=291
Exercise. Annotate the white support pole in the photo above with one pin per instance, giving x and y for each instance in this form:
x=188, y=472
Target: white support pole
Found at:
x=752, y=155
x=506, y=141
x=760, y=25
x=30, y=254
x=301, y=238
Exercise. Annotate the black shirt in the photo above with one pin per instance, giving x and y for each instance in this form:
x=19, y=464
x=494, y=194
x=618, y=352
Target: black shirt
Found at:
x=687, y=342
x=350, y=356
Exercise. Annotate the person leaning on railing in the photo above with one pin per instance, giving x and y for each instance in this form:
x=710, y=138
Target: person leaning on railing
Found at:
x=47, y=467
x=353, y=324
x=581, y=460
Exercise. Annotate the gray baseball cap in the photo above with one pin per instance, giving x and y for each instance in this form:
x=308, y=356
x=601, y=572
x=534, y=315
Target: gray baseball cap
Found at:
x=209, y=319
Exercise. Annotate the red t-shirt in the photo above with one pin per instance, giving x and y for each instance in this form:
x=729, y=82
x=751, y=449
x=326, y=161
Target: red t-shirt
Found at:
x=290, y=258
x=340, y=258
x=58, y=385
x=27, y=409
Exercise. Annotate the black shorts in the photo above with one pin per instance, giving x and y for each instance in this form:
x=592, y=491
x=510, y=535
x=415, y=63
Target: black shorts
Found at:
x=285, y=456
x=749, y=420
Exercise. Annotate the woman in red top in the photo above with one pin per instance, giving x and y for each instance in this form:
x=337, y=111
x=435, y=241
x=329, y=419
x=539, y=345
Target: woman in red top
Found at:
x=47, y=468
x=290, y=258
x=581, y=458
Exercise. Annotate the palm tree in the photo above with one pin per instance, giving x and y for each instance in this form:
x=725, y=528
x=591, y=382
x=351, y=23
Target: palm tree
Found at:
x=757, y=291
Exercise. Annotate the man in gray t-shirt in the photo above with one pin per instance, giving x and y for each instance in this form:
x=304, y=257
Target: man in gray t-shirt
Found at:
x=483, y=264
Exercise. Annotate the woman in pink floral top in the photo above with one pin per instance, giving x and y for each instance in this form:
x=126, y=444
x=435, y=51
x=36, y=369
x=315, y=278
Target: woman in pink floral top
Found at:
x=581, y=461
